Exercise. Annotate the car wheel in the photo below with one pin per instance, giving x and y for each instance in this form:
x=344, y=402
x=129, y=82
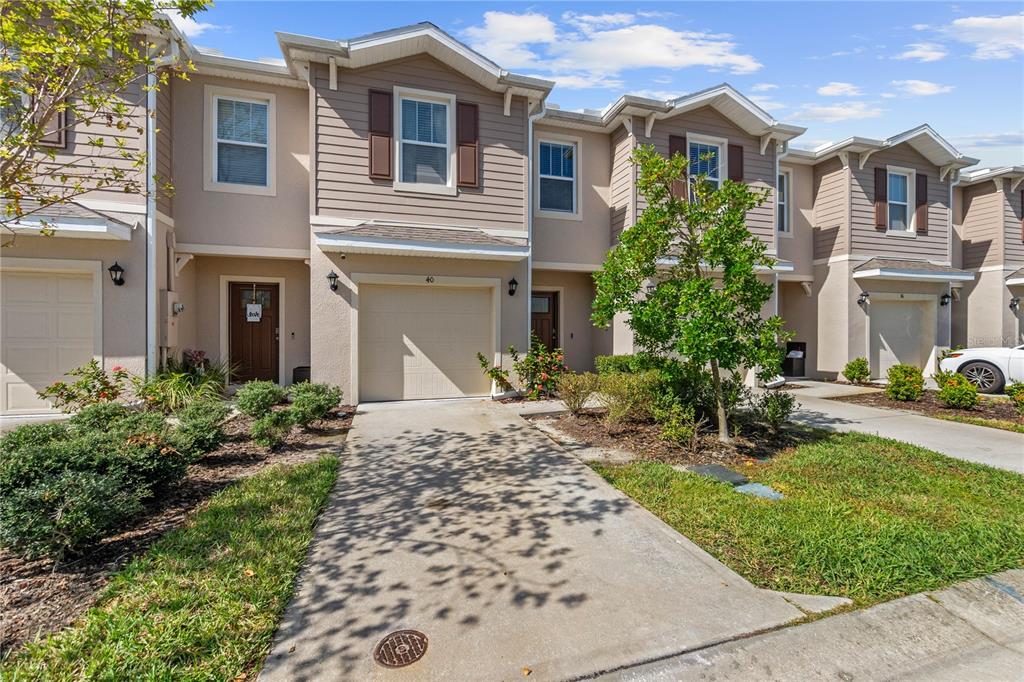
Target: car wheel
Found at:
x=984, y=375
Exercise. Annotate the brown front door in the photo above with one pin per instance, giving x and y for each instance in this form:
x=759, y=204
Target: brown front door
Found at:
x=544, y=317
x=254, y=331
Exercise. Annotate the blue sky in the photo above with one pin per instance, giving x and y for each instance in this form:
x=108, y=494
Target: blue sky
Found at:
x=840, y=69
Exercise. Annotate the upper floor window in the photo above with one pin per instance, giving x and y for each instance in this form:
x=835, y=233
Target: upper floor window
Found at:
x=557, y=177
x=782, y=203
x=707, y=159
x=240, y=155
x=899, y=201
x=424, y=156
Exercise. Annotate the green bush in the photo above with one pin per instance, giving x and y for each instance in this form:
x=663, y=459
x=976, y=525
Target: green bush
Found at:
x=905, y=383
x=680, y=425
x=857, y=371
x=1016, y=393
x=957, y=392
x=256, y=398
x=200, y=429
x=270, y=429
x=773, y=408
x=98, y=417
x=32, y=435
x=576, y=389
x=539, y=369
x=93, y=385
x=629, y=364
x=312, y=401
x=629, y=397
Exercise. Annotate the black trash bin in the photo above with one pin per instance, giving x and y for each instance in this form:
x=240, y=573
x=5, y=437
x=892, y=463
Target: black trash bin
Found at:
x=300, y=374
x=795, y=364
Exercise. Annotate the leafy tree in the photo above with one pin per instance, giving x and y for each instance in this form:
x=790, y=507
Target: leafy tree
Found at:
x=705, y=298
x=82, y=65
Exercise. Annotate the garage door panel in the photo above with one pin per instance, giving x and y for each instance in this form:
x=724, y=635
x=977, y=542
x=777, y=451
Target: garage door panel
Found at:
x=21, y=323
x=421, y=342
x=26, y=288
x=901, y=333
x=40, y=360
x=70, y=290
x=74, y=324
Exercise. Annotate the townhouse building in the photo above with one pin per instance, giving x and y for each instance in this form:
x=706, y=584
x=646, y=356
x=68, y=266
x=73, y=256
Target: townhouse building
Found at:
x=378, y=210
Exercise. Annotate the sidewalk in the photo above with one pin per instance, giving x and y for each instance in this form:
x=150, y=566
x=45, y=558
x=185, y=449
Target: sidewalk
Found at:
x=1001, y=449
x=971, y=631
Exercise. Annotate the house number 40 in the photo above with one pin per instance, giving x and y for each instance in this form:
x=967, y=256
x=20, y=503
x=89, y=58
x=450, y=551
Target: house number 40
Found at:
x=430, y=279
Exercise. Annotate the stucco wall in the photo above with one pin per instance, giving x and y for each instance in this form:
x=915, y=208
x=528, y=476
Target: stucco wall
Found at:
x=575, y=331
x=797, y=245
x=800, y=313
x=983, y=316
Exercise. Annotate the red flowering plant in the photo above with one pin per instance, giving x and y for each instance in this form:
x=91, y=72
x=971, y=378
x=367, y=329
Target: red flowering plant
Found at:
x=539, y=369
x=93, y=385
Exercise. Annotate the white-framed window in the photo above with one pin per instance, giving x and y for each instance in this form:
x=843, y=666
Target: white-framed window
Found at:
x=557, y=176
x=425, y=149
x=782, y=191
x=241, y=132
x=900, y=198
x=707, y=158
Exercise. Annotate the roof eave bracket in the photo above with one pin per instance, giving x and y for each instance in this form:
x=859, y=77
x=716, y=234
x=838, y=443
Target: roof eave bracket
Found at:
x=333, y=64
x=1014, y=184
x=864, y=156
x=649, y=124
x=765, y=141
x=508, y=101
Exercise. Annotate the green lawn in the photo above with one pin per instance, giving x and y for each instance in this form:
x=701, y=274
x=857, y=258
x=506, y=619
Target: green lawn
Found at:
x=863, y=517
x=202, y=603
x=1004, y=424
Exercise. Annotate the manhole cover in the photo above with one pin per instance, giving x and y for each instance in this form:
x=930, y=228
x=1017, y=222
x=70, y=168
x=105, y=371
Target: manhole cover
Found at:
x=400, y=648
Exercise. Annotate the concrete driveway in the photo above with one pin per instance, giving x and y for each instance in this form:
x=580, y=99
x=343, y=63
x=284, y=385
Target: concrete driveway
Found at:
x=458, y=520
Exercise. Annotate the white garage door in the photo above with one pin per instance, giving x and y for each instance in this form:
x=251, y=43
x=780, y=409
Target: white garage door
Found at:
x=902, y=332
x=421, y=342
x=47, y=330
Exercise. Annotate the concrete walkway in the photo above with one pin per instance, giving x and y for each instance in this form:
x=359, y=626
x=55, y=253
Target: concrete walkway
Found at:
x=458, y=520
x=1001, y=449
x=971, y=631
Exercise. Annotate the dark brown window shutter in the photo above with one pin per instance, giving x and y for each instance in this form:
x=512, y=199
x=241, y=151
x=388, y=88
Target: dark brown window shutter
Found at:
x=467, y=136
x=380, y=142
x=677, y=144
x=881, y=198
x=736, y=163
x=53, y=135
x=921, y=203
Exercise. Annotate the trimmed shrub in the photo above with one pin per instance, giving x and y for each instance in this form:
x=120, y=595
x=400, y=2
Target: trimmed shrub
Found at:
x=773, y=408
x=312, y=401
x=1016, y=393
x=98, y=417
x=200, y=429
x=681, y=426
x=256, y=398
x=269, y=430
x=629, y=397
x=576, y=389
x=32, y=435
x=629, y=364
x=905, y=383
x=957, y=392
x=857, y=371
x=539, y=369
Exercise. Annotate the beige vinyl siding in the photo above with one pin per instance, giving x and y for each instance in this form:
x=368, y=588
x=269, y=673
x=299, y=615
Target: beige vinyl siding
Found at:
x=982, y=225
x=759, y=170
x=343, y=187
x=831, y=207
x=164, y=133
x=866, y=239
x=1014, y=244
x=622, y=181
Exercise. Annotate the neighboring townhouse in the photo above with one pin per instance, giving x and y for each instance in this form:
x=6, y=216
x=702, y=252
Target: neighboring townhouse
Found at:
x=987, y=214
x=377, y=211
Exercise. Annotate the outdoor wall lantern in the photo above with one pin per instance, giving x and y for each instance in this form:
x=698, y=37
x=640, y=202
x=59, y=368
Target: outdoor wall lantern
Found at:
x=863, y=298
x=945, y=299
x=512, y=286
x=332, y=280
x=116, y=274
x=1014, y=303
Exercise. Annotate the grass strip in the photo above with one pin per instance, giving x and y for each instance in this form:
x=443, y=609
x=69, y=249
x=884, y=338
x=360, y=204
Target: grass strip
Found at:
x=1002, y=424
x=203, y=603
x=863, y=517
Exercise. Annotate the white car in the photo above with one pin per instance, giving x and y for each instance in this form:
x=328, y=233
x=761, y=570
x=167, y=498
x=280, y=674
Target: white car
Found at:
x=990, y=369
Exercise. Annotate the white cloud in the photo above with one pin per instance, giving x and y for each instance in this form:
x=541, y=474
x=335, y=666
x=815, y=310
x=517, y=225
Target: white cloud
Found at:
x=920, y=27
x=838, y=89
x=582, y=81
x=917, y=88
x=189, y=26
x=923, y=52
x=767, y=103
x=990, y=140
x=763, y=87
x=590, y=22
x=506, y=38
x=991, y=37
x=660, y=95
x=842, y=53
x=841, y=111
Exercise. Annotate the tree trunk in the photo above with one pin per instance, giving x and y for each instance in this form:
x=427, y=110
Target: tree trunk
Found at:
x=723, y=418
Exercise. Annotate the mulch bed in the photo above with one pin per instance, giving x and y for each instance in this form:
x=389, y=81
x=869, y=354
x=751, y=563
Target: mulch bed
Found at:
x=644, y=440
x=40, y=596
x=987, y=408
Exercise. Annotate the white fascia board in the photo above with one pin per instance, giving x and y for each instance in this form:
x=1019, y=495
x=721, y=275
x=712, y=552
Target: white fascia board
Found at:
x=916, y=275
x=76, y=229
x=1014, y=281
x=388, y=247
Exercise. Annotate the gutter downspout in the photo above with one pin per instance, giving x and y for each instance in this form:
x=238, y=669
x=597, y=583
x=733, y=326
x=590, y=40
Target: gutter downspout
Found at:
x=151, y=302
x=949, y=252
x=779, y=155
x=529, y=213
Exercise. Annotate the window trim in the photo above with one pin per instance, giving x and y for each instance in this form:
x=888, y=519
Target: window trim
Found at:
x=712, y=141
x=213, y=93
x=555, y=138
x=400, y=93
x=911, y=176
x=787, y=208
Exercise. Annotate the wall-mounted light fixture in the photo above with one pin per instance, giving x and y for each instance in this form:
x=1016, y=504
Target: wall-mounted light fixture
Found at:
x=332, y=280
x=945, y=299
x=863, y=298
x=1014, y=303
x=512, y=286
x=116, y=274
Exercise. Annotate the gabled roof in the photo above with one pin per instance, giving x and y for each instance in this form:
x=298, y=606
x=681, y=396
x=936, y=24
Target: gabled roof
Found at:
x=923, y=139
x=920, y=270
x=724, y=98
x=398, y=43
x=1014, y=173
x=400, y=239
x=70, y=219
